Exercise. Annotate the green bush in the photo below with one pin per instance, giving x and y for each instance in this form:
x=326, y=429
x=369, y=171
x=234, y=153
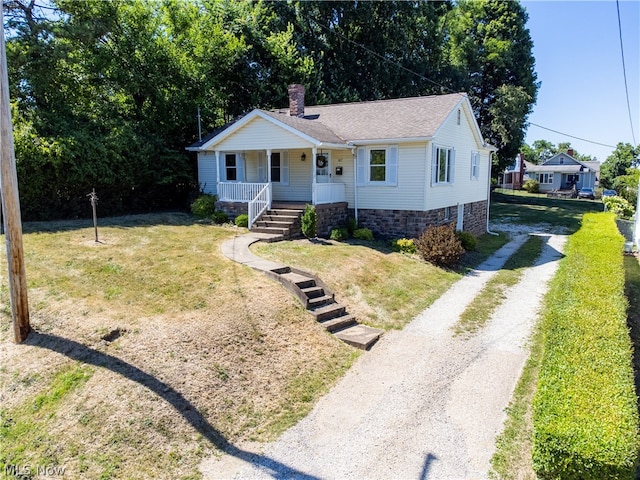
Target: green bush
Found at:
x=309, y=221
x=585, y=412
x=531, y=186
x=204, y=206
x=618, y=205
x=467, y=240
x=219, y=217
x=440, y=245
x=339, y=234
x=242, y=220
x=403, y=245
x=352, y=225
x=363, y=234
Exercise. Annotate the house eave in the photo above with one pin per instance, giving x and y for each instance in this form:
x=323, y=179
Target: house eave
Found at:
x=379, y=141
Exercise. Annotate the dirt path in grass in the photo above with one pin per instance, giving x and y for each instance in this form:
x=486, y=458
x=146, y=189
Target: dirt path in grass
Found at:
x=423, y=404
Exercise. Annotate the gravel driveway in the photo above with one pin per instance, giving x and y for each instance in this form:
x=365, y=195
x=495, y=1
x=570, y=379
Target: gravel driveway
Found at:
x=422, y=404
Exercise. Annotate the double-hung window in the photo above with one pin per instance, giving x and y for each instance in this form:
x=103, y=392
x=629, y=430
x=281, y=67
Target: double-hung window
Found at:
x=442, y=165
x=377, y=165
x=231, y=167
x=475, y=165
x=275, y=167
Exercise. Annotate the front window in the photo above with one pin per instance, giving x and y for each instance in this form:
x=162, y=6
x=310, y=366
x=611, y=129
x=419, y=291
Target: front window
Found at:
x=231, y=167
x=377, y=165
x=443, y=165
x=275, y=167
x=546, y=178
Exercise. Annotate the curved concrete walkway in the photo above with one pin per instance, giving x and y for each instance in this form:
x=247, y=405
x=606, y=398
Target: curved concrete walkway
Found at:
x=237, y=249
x=423, y=404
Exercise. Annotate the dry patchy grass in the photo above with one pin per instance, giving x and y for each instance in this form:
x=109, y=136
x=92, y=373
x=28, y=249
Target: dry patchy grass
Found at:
x=179, y=350
x=381, y=288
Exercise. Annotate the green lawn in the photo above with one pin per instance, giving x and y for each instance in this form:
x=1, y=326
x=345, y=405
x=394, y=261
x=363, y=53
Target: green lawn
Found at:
x=528, y=209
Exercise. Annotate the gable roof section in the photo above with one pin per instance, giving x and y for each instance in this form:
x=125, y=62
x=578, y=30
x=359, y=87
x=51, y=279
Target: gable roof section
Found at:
x=345, y=124
x=550, y=165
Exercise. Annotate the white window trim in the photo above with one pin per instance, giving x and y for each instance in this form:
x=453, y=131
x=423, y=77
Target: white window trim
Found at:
x=435, y=166
x=240, y=170
x=364, y=166
x=284, y=167
x=475, y=165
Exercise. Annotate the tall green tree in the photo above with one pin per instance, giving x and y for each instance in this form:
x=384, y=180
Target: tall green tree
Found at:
x=616, y=165
x=369, y=50
x=491, y=49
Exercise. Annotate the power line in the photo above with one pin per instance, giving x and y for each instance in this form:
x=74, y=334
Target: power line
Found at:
x=571, y=136
x=624, y=71
x=388, y=60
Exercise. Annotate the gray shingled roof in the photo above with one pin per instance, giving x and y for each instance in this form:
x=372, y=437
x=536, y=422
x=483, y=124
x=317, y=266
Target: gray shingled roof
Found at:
x=400, y=118
x=313, y=128
x=341, y=123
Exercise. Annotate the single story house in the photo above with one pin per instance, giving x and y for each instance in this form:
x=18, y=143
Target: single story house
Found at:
x=564, y=172
x=397, y=166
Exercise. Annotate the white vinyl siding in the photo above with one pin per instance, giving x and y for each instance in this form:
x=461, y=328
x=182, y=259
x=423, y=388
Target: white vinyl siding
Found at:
x=207, y=180
x=260, y=134
x=378, y=165
x=465, y=189
x=408, y=173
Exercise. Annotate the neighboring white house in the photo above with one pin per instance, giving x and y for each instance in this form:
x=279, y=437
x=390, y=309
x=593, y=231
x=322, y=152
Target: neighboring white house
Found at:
x=395, y=165
x=564, y=172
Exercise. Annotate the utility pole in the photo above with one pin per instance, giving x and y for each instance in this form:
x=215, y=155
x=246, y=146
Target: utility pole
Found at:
x=11, y=207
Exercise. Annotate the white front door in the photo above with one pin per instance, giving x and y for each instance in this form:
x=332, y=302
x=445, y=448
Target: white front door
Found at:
x=323, y=168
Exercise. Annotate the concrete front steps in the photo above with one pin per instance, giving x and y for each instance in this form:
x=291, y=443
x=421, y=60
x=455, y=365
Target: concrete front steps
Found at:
x=320, y=302
x=282, y=220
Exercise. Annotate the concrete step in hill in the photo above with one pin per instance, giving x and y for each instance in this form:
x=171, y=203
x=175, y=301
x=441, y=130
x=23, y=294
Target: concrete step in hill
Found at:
x=284, y=222
x=320, y=302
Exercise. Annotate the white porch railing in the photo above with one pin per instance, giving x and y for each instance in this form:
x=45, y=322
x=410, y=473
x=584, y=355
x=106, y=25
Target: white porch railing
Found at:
x=328, y=193
x=239, y=192
x=260, y=203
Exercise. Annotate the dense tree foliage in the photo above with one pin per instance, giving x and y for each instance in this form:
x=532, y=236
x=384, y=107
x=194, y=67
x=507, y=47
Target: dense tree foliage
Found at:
x=621, y=171
x=105, y=94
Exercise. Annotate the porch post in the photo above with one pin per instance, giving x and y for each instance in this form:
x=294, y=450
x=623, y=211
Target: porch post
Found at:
x=217, y=170
x=268, y=165
x=314, y=152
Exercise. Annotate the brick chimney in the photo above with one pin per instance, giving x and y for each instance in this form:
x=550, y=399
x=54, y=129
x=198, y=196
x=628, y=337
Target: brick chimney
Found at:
x=296, y=100
x=570, y=152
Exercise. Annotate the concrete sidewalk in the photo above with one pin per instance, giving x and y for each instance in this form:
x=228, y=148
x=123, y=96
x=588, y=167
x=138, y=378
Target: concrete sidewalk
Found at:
x=237, y=249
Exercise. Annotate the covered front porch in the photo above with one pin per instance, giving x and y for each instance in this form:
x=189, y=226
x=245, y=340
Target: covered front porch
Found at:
x=259, y=178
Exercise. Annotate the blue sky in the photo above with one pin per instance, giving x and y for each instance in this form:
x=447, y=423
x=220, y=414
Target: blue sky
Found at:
x=578, y=62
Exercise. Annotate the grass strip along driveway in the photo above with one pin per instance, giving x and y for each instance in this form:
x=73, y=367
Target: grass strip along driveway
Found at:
x=487, y=301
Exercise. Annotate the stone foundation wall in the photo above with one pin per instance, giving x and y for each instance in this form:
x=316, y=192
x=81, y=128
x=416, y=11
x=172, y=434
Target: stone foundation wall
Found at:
x=475, y=218
x=233, y=209
x=411, y=223
x=330, y=216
